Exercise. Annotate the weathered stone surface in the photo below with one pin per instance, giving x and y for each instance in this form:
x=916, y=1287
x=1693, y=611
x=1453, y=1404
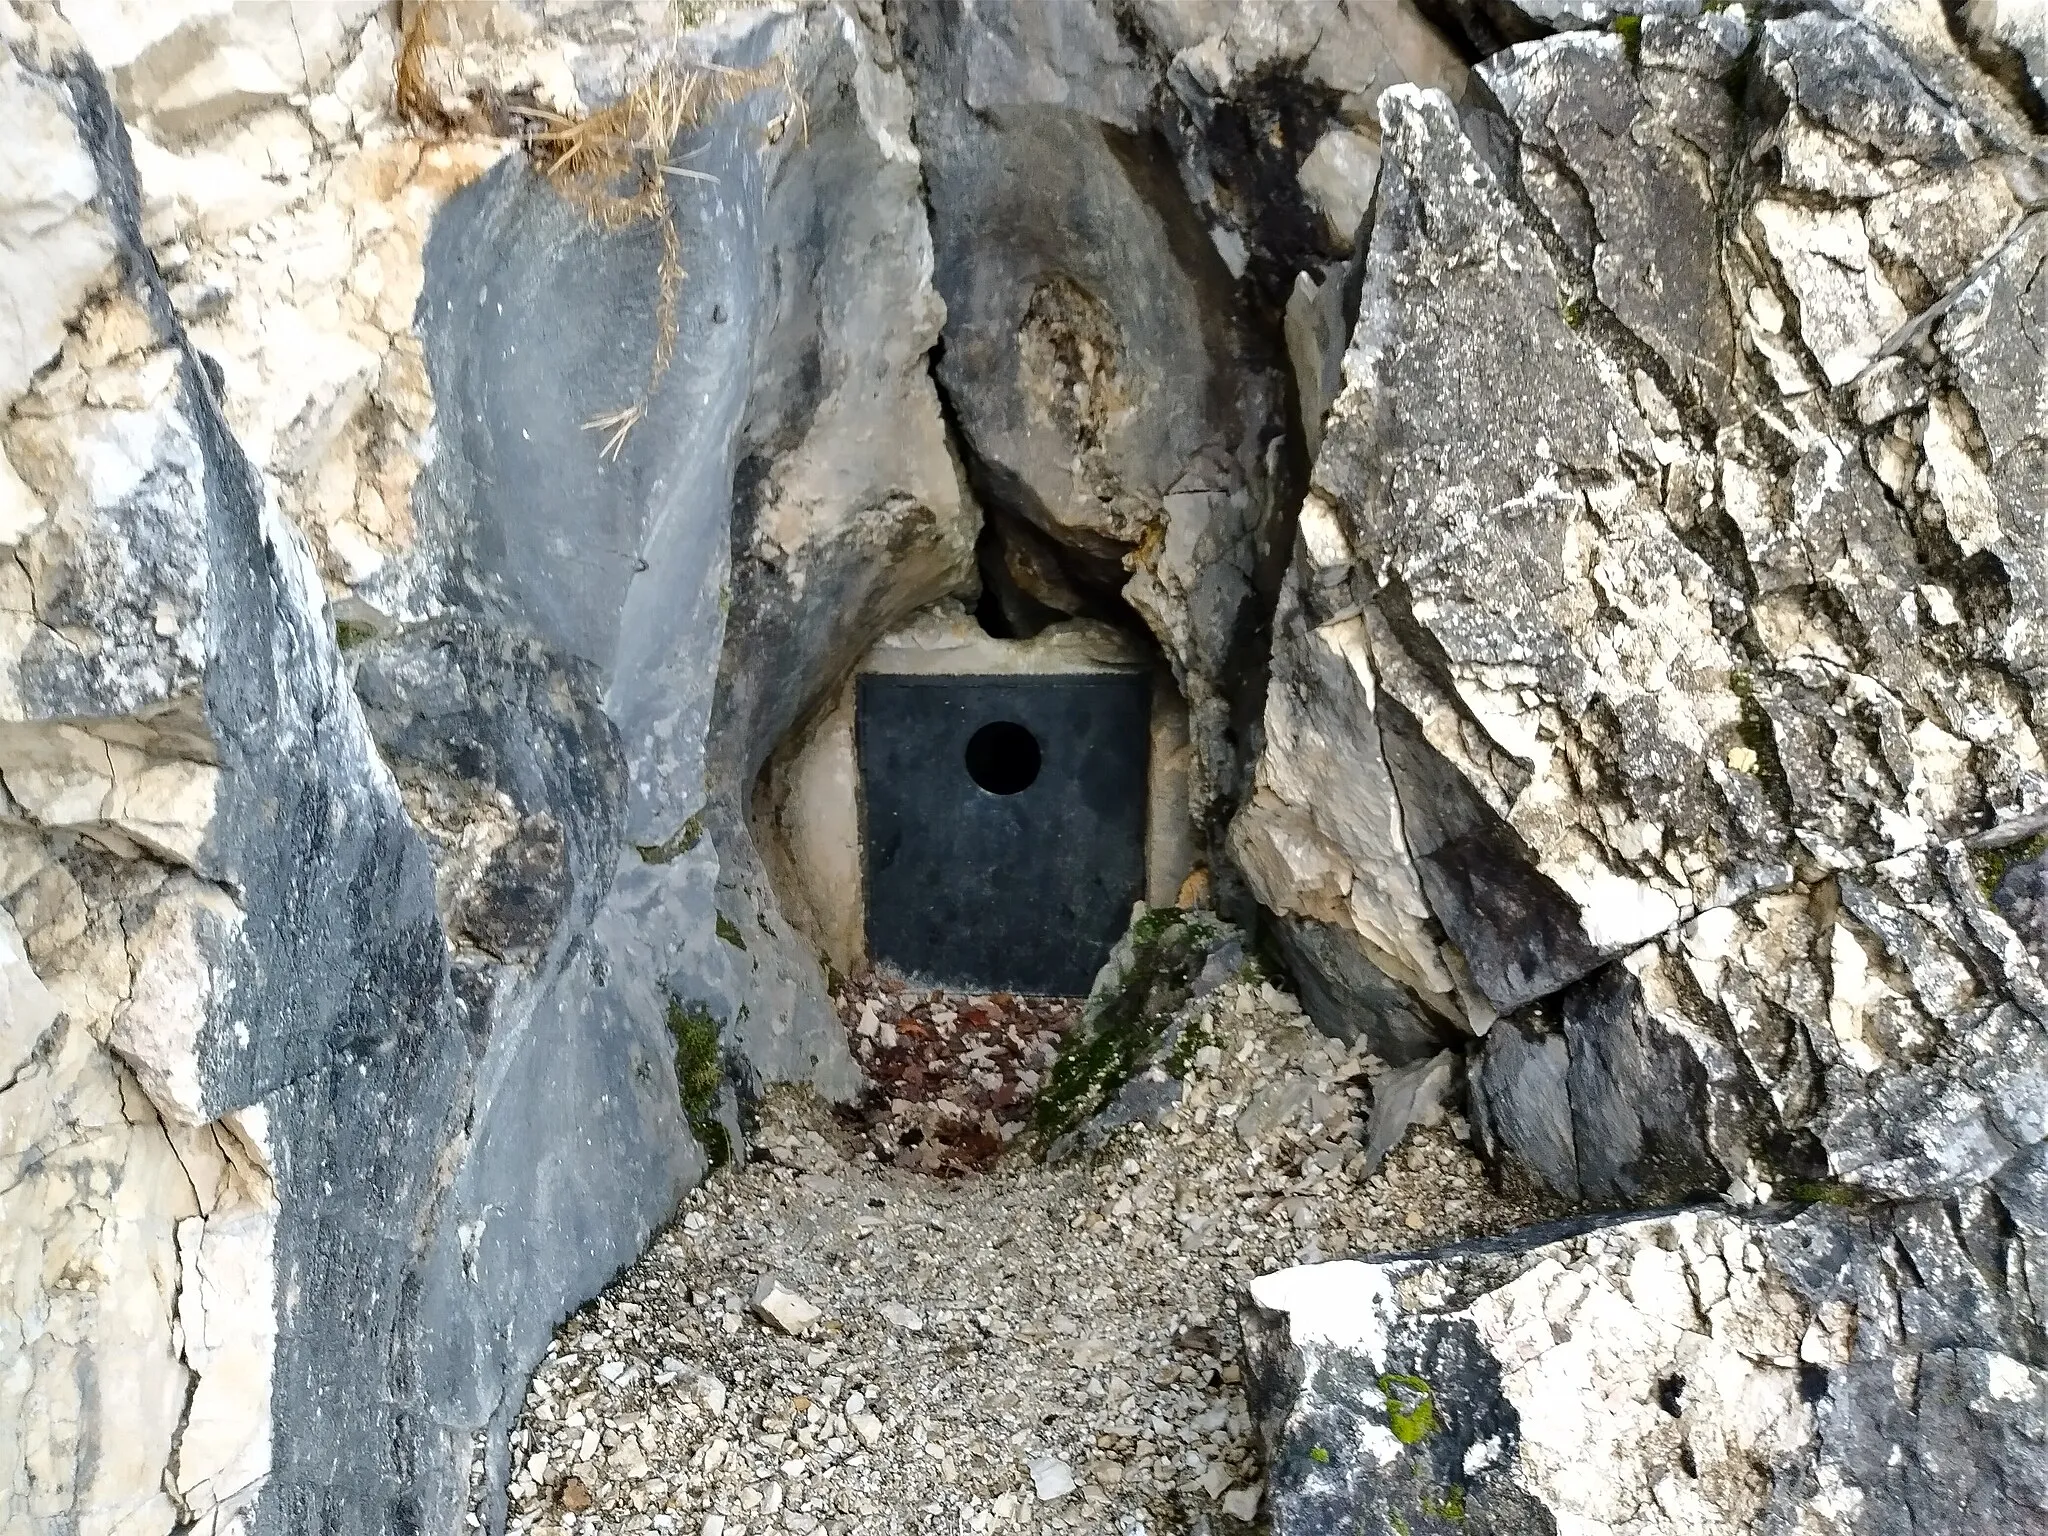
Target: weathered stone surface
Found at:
x=1273, y=112
x=287, y=205
x=1734, y=645
x=391, y=914
x=1322, y=840
x=57, y=247
x=1830, y=1371
x=1111, y=354
x=1738, y=633
x=2012, y=24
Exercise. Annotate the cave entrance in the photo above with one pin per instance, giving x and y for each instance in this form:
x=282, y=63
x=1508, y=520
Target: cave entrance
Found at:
x=1005, y=824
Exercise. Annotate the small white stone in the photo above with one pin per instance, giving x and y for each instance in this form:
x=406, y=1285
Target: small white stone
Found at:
x=1241, y=1503
x=867, y=1426
x=775, y=1303
x=1051, y=1478
x=900, y=1316
x=703, y=1388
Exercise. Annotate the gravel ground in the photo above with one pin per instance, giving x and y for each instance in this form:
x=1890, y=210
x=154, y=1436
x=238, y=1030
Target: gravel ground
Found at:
x=827, y=1342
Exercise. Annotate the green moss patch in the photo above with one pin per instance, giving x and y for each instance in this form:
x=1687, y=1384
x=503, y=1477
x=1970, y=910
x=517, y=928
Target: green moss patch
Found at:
x=1448, y=1505
x=1411, y=1407
x=729, y=931
x=687, y=837
x=1128, y=1015
x=1829, y=1192
x=1195, y=1034
x=1994, y=864
x=1630, y=30
x=699, y=1070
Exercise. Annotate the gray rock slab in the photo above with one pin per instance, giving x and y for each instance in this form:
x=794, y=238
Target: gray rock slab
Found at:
x=1730, y=1371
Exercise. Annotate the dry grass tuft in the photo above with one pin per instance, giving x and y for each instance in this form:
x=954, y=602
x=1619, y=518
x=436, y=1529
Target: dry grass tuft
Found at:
x=617, y=424
x=616, y=165
x=416, y=98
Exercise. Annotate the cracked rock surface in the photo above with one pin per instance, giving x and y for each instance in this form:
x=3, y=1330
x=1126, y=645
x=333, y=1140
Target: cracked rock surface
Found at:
x=1733, y=642
x=1677, y=743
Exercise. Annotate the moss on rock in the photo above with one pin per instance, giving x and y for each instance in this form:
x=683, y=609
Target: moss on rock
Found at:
x=700, y=1068
x=1994, y=864
x=1411, y=1407
x=1128, y=1015
x=686, y=838
x=1630, y=30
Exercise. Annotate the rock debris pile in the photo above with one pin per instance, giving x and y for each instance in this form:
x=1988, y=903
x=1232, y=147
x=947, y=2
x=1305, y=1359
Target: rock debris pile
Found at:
x=954, y=1076
x=1027, y=1348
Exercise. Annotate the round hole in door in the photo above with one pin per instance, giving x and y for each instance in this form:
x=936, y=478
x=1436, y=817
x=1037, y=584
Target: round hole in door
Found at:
x=1002, y=757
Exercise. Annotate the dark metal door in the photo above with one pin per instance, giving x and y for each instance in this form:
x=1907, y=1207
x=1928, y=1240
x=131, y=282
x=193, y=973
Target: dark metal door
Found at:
x=1005, y=824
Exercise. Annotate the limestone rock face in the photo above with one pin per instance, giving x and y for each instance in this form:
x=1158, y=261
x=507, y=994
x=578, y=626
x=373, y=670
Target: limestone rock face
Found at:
x=1591, y=501
x=1838, y=1370
x=375, y=737
x=1656, y=703
x=1658, y=736
x=1111, y=355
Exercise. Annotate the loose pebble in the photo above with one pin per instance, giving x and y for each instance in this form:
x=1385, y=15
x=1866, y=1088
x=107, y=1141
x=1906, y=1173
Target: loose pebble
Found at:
x=775, y=1303
x=1051, y=1478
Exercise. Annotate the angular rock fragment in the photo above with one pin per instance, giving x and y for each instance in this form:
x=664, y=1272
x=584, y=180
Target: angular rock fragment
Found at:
x=897, y=1315
x=773, y=1302
x=1122, y=1064
x=1051, y=1478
